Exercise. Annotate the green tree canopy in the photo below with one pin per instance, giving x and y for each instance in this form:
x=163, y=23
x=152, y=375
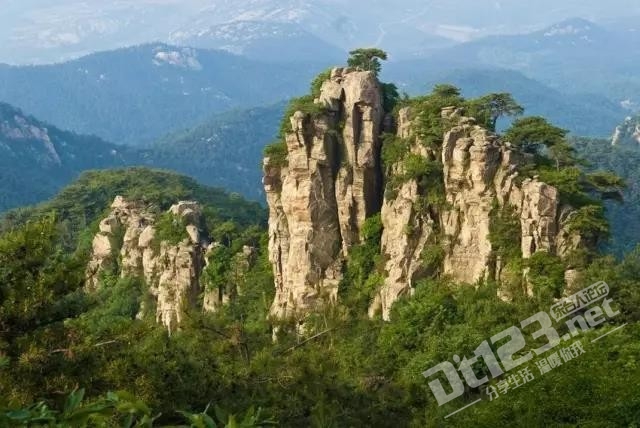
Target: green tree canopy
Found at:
x=532, y=133
x=497, y=105
x=367, y=59
x=446, y=91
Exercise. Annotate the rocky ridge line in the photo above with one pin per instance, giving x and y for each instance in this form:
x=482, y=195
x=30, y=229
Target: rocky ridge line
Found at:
x=332, y=180
x=127, y=244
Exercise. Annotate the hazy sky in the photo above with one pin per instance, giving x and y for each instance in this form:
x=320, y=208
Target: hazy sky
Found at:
x=44, y=30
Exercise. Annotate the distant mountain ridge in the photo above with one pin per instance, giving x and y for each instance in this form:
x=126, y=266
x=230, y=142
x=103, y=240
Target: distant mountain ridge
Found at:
x=135, y=95
x=40, y=31
x=37, y=159
x=574, y=56
x=583, y=114
x=225, y=150
x=262, y=41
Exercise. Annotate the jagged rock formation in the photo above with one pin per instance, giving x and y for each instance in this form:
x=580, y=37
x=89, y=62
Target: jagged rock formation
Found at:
x=331, y=183
x=127, y=243
x=320, y=198
x=22, y=129
x=407, y=230
x=627, y=133
x=480, y=175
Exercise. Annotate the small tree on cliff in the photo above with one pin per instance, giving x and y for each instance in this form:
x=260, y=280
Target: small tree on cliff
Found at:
x=367, y=59
x=495, y=106
x=530, y=134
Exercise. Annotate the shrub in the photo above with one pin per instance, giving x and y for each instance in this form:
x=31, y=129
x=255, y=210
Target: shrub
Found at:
x=306, y=105
x=546, y=275
x=394, y=150
x=316, y=84
x=171, y=229
x=590, y=222
x=505, y=232
x=432, y=257
x=277, y=153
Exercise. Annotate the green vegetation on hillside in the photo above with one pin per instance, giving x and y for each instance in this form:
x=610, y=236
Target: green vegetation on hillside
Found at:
x=79, y=205
x=360, y=372
x=37, y=159
x=550, y=156
x=73, y=352
x=543, y=152
x=623, y=161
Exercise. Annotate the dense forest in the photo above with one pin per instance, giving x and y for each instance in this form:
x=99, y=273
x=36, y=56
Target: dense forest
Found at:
x=623, y=160
x=70, y=357
x=57, y=339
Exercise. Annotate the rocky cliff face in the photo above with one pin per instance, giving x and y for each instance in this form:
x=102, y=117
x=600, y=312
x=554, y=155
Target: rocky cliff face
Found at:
x=628, y=132
x=330, y=184
x=128, y=243
x=19, y=128
x=480, y=177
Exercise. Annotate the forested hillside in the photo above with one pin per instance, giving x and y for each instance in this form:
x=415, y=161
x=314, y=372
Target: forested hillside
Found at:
x=357, y=372
x=135, y=95
x=623, y=159
x=224, y=151
x=81, y=203
x=37, y=159
x=84, y=278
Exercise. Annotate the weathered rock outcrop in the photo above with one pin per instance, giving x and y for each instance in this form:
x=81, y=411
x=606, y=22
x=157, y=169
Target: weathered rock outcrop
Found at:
x=127, y=244
x=480, y=176
x=115, y=246
x=628, y=132
x=408, y=228
x=331, y=183
x=23, y=128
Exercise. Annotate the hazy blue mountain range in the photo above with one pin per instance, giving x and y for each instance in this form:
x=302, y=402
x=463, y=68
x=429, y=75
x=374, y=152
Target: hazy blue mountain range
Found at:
x=37, y=159
x=42, y=31
x=583, y=114
x=574, y=56
x=263, y=41
x=225, y=150
x=135, y=95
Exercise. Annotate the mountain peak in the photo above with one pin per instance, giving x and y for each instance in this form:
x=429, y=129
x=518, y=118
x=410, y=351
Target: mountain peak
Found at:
x=573, y=27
